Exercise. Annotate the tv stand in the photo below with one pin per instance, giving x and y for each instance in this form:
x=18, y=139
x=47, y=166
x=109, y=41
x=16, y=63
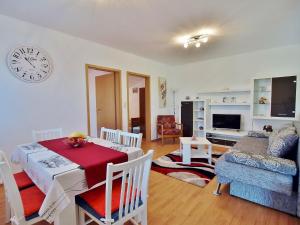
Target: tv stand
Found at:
x=224, y=137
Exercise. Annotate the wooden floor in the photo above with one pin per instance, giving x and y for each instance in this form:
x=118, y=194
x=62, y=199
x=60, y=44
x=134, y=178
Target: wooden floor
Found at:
x=173, y=202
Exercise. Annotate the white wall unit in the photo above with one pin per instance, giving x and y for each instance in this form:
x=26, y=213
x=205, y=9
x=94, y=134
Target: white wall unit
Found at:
x=261, y=110
x=235, y=101
x=236, y=73
x=199, y=117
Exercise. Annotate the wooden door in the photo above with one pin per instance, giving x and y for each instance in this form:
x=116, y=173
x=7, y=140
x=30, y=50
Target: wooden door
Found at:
x=142, y=98
x=106, y=101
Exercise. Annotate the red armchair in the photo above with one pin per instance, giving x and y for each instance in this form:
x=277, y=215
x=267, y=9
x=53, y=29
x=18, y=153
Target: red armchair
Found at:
x=168, y=128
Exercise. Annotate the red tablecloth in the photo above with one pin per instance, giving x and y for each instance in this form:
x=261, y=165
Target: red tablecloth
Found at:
x=91, y=157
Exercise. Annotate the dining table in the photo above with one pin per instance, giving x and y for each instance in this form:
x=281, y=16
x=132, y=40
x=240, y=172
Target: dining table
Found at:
x=61, y=172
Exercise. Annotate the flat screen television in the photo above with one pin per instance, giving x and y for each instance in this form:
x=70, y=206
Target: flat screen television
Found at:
x=227, y=121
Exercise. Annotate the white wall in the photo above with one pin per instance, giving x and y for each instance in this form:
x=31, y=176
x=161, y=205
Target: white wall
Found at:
x=60, y=101
x=236, y=72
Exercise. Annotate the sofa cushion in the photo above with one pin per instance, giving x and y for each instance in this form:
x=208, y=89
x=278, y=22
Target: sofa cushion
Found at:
x=266, y=162
x=229, y=172
x=252, y=144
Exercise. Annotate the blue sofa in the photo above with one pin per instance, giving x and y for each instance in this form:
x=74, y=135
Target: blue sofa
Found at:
x=258, y=177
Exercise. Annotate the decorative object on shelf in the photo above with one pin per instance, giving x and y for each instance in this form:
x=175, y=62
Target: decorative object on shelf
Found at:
x=225, y=99
x=162, y=84
x=200, y=118
x=76, y=139
x=201, y=128
x=30, y=64
x=196, y=40
x=187, y=98
x=268, y=128
x=233, y=99
x=262, y=100
x=197, y=98
x=201, y=109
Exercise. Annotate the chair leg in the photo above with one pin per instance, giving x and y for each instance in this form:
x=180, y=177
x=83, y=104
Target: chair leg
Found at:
x=7, y=211
x=81, y=216
x=144, y=218
x=217, y=192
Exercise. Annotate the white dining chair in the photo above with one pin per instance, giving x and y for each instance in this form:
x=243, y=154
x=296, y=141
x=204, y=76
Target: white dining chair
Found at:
x=121, y=199
x=130, y=139
x=109, y=134
x=22, y=180
x=24, y=204
x=42, y=135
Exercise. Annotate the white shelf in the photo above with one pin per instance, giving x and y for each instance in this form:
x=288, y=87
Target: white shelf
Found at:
x=228, y=133
x=229, y=104
x=199, y=154
x=274, y=118
x=224, y=91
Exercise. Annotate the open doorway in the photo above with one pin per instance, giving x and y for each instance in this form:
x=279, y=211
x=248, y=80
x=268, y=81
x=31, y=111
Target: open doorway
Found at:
x=103, y=99
x=138, y=98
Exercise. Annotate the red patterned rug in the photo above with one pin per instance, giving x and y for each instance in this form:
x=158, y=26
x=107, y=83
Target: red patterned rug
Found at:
x=199, y=173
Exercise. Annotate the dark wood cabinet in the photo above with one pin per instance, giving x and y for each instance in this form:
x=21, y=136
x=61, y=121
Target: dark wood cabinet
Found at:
x=187, y=118
x=283, y=101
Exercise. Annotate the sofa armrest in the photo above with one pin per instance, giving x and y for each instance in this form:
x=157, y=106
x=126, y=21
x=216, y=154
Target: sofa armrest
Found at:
x=266, y=162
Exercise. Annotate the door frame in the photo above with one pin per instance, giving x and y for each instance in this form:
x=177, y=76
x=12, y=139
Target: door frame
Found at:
x=118, y=93
x=147, y=103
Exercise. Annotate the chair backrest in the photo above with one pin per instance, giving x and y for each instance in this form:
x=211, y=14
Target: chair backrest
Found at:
x=167, y=120
x=11, y=189
x=109, y=134
x=134, y=187
x=42, y=135
x=130, y=139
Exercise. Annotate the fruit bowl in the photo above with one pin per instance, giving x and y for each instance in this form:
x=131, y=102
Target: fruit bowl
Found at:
x=76, y=139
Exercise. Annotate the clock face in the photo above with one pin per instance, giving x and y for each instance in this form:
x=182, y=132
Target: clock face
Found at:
x=29, y=64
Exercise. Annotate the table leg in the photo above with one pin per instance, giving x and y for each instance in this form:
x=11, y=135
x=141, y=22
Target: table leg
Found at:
x=68, y=216
x=186, y=153
x=209, y=152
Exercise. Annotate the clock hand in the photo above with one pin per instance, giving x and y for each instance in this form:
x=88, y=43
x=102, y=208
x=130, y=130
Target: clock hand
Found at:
x=29, y=62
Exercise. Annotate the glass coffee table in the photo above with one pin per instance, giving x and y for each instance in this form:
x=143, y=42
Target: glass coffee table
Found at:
x=204, y=149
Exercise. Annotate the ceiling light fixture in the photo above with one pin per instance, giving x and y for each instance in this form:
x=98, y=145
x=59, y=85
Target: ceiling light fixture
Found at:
x=196, y=40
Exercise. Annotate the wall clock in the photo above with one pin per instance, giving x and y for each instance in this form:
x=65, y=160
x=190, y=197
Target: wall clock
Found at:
x=30, y=64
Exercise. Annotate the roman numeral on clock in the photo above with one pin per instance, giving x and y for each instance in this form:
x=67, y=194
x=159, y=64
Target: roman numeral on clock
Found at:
x=22, y=50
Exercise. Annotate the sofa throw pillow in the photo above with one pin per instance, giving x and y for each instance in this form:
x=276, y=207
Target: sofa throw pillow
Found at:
x=281, y=142
x=258, y=134
x=282, y=146
x=287, y=126
x=287, y=131
x=276, y=146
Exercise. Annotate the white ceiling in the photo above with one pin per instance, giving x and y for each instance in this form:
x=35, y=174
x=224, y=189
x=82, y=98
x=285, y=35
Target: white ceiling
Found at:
x=149, y=27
